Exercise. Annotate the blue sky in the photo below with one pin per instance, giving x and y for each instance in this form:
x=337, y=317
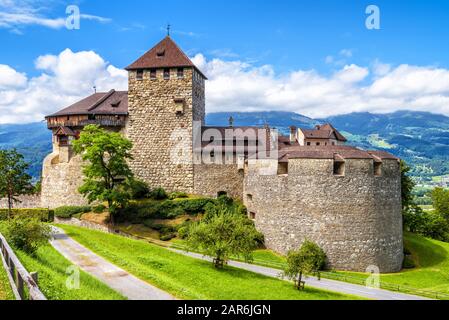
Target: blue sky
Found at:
x=275, y=39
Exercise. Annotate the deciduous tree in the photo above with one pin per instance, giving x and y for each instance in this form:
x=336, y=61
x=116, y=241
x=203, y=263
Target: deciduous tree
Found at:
x=14, y=180
x=106, y=172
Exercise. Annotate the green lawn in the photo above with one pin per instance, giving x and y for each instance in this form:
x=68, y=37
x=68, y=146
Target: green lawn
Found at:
x=431, y=273
x=52, y=268
x=5, y=289
x=189, y=278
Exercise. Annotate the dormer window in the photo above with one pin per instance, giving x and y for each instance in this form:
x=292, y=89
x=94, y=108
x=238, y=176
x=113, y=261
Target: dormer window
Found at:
x=160, y=54
x=166, y=74
x=153, y=74
x=180, y=73
x=139, y=75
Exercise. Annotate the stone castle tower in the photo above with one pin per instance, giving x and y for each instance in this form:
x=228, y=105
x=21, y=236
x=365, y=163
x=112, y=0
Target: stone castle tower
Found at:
x=166, y=95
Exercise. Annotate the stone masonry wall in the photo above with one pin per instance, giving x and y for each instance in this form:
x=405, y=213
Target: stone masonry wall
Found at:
x=60, y=182
x=158, y=133
x=213, y=178
x=25, y=202
x=355, y=218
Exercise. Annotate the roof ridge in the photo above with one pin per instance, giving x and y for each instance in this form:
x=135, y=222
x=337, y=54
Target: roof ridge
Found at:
x=101, y=100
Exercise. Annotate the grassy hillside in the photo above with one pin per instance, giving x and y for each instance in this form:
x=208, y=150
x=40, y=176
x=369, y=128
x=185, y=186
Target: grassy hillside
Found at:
x=5, y=289
x=189, y=278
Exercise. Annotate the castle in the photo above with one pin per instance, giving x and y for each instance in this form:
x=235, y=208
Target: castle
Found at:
x=305, y=185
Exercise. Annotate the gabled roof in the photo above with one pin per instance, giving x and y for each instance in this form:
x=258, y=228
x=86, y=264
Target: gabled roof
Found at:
x=101, y=103
x=326, y=131
x=166, y=54
x=64, y=131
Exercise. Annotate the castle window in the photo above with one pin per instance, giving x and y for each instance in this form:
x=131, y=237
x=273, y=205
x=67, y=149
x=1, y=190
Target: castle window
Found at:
x=283, y=168
x=308, y=143
x=339, y=168
x=160, y=54
x=333, y=143
x=180, y=73
x=318, y=143
x=252, y=215
x=167, y=74
x=139, y=75
x=378, y=169
x=153, y=74
x=249, y=197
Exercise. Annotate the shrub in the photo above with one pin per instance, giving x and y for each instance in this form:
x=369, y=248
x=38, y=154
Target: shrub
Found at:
x=178, y=195
x=427, y=224
x=44, y=215
x=139, y=189
x=183, y=232
x=158, y=194
x=99, y=209
x=408, y=262
x=167, y=237
x=27, y=234
x=69, y=211
x=195, y=206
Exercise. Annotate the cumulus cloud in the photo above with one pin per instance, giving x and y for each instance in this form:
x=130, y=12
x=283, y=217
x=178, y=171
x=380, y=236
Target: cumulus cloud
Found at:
x=233, y=86
x=380, y=88
x=64, y=79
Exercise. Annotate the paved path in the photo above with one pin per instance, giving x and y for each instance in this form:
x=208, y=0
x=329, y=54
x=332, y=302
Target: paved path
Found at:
x=332, y=285
x=116, y=278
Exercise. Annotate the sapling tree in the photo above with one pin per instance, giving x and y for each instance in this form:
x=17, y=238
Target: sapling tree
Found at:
x=223, y=235
x=309, y=259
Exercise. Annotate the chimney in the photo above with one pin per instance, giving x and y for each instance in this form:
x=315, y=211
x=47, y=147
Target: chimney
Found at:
x=293, y=131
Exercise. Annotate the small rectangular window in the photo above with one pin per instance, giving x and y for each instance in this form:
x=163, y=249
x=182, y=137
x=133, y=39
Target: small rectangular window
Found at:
x=180, y=73
x=252, y=215
x=166, y=74
x=153, y=74
x=139, y=75
x=308, y=143
x=339, y=168
x=377, y=169
x=318, y=143
x=249, y=197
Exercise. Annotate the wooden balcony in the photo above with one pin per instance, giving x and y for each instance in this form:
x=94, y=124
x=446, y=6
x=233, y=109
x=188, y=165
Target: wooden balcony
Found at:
x=83, y=123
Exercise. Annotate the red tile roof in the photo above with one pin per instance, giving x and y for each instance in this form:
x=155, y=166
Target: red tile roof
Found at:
x=166, y=54
x=326, y=131
x=101, y=103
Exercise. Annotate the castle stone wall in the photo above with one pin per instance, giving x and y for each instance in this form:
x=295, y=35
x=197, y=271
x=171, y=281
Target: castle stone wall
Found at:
x=355, y=218
x=60, y=182
x=159, y=134
x=25, y=202
x=210, y=179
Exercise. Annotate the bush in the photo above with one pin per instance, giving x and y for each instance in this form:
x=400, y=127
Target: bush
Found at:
x=99, y=209
x=178, y=195
x=167, y=237
x=139, y=189
x=183, y=232
x=408, y=262
x=428, y=224
x=158, y=194
x=43, y=215
x=27, y=234
x=69, y=211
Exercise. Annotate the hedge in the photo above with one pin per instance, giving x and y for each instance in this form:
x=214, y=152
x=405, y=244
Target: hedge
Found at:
x=138, y=212
x=45, y=215
x=70, y=211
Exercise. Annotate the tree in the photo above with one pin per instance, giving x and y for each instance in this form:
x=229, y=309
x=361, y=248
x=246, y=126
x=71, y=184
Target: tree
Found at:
x=309, y=259
x=407, y=186
x=440, y=198
x=14, y=180
x=223, y=235
x=106, y=172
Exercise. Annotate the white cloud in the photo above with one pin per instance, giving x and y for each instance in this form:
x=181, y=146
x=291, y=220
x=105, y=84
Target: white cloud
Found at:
x=65, y=79
x=238, y=86
x=346, y=53
x=10, y=78
x=232, y=86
